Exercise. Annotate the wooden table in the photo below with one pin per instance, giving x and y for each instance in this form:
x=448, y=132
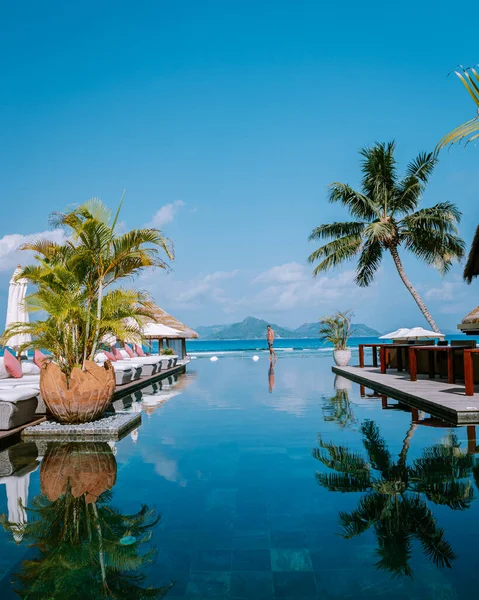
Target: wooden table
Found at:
x=375, y=356
x=469, y=370
x=383, y=355
x=450, y=350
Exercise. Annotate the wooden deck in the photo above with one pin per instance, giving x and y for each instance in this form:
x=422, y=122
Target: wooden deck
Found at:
x=7, y=436
x=438, y=398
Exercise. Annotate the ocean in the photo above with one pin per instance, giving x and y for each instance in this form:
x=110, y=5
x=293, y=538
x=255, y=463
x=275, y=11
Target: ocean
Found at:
x=282, y=346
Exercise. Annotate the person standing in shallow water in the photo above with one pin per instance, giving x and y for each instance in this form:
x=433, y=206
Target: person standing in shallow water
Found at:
x=270, y=337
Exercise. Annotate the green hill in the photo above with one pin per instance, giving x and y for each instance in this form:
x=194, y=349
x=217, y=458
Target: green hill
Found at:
x=254, y=329
x=249, y=329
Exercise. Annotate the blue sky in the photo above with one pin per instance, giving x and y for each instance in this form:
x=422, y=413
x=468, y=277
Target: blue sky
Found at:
x=225, y=121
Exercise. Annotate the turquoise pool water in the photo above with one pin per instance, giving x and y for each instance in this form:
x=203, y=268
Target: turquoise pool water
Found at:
x=254, y=485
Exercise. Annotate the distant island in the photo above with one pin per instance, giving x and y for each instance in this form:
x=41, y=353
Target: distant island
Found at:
x=255, y=329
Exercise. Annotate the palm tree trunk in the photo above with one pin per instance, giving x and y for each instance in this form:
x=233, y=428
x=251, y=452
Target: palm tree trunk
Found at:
x=419, y=301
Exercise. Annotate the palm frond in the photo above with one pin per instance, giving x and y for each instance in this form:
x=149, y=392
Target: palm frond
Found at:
x=368, y=264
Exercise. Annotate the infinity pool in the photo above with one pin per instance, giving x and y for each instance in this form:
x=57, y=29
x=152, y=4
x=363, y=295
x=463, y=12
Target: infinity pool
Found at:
x=243, y=483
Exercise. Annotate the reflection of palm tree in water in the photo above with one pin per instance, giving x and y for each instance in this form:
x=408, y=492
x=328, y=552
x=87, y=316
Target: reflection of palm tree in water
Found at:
x=338, y=408
x=84, y=546
x=271, y=377
x=394, y=503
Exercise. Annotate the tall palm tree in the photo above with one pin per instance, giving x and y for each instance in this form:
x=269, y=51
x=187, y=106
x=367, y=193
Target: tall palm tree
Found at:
x=470, y=129
x=395, y=493
x=387, y=218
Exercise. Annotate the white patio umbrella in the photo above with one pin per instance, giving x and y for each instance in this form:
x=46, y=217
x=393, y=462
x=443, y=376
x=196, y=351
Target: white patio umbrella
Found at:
x=417, y=333
x=16, y=312
x=398, y=334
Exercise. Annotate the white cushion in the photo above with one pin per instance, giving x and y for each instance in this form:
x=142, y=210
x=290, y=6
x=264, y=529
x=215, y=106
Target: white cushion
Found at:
x=101, y=357
x=125, y=354
x=3, y=371
x=21, y=393
x=30, y=368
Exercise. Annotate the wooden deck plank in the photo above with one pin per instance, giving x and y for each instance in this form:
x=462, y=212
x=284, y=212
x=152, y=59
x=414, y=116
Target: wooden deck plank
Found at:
x=438, y=398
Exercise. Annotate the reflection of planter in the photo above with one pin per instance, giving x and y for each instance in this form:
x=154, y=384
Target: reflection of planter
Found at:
x=82, y=467
x=86, y=396
x=342, y=384
x=342, y=357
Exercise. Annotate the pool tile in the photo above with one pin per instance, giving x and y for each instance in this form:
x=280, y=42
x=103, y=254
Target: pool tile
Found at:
x=288, y=539
x=179, y=579
x=203, y=585
x=291, y=559
x=251, y=560
x=173, y=559
x=294, y=584
x=252, y=521
x=254, y=585
x=251, y=540
x=212, y=560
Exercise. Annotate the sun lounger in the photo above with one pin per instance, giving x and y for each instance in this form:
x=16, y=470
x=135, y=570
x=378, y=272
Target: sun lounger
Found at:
x=17, y=407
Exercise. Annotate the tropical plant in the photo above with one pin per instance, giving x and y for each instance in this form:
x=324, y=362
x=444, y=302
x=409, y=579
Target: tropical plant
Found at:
x=387, y=218
x=395, y=493
x=79, y=541
x=168, y=351
x=470, y=129
x=338, y=408
x=336, y=329
x=72, y=281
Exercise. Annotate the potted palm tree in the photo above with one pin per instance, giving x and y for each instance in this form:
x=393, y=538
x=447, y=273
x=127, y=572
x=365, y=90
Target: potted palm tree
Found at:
x=336, y=329
x=77, y=288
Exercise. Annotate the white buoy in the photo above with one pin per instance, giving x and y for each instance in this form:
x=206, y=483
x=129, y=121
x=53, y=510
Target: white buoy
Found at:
x=255, y=358
x=214, y=358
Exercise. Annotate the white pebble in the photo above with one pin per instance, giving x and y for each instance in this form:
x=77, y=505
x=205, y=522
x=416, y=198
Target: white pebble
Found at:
x=214, y=358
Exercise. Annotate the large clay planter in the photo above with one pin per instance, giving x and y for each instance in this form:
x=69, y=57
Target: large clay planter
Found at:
x=81, y=467
x=84, y=398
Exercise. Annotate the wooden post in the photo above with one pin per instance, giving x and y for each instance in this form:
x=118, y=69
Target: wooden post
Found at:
x=399, y=359
x=375, y=356
x=450, y=365
x=362, y=390
x=183, y=348
x=413, y=363
x=382, y=358
x=361, y=356
x=160, y=344
x=471, y=439
x=384, y=401
x=430, y=363
x=415, y=415
x=469, y=372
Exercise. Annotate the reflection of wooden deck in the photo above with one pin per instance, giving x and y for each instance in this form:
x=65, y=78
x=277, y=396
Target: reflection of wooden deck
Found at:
x=438, y=398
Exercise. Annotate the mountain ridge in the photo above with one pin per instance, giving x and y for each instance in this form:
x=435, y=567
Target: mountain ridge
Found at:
x=252, y=328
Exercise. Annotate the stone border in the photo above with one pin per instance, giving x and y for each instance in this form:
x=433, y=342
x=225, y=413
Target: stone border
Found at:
x=110, y=427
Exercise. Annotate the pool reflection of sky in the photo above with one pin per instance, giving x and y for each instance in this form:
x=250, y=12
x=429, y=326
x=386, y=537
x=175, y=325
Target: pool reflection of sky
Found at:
x=307, y=490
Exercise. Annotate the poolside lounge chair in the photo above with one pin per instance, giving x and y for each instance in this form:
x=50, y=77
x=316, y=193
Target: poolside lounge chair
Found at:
x=17, y=407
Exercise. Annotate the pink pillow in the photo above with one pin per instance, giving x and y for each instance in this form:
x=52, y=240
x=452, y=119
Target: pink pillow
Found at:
x=109, y=355
x=139, y=350
x=12, y=365
x=38, y=358
x=116, y=353
x=129, y=351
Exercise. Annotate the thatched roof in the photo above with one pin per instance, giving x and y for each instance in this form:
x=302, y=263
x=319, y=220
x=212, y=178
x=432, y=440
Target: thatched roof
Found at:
x=172, y=327
x=470, y=323
x=472, y=265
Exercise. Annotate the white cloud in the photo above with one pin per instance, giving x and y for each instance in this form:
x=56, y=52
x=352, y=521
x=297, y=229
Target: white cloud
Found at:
x=448, y=291
x=292, y=286
x=166, y=214
x=11, y=256
x=287, y=273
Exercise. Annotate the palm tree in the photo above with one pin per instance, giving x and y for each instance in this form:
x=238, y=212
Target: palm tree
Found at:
x=338, y=408
x=72, y=283
x=387, y=218
x=470, y=129
x=395, y=493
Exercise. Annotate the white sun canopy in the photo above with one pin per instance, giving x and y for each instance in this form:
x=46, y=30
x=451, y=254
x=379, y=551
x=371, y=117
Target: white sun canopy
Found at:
x=16, y=312
x=415, y=333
